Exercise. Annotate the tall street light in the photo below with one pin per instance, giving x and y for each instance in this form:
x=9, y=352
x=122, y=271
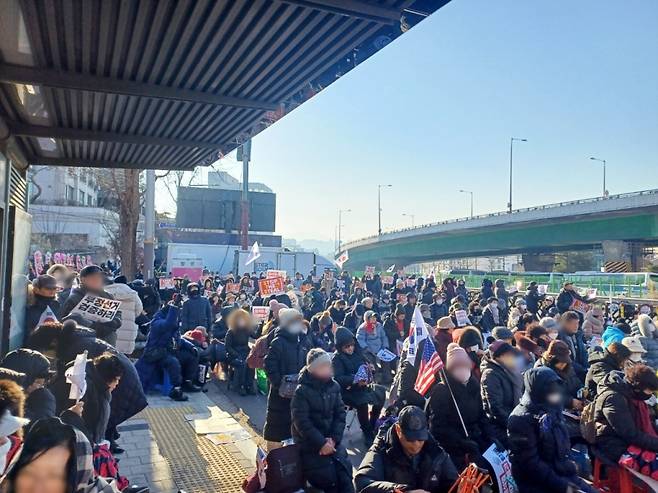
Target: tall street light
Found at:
x=605, y=192
x=412, y=216
x=471, y=194
x=511, y=153
x=340, y=224
x=379, y=206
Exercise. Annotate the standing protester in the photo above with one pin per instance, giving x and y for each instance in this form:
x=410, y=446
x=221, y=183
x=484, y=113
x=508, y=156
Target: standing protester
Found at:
x=240, y=330
x=92, y=281
x=44, y=297
x=568, y=295
x=406, y=458
x=284, y=360
x=318, y=421
x=196, y=310
x=131, y=308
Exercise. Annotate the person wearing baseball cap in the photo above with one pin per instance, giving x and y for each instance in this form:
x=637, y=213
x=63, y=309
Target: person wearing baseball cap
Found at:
x=44, y=307
x=406, y=458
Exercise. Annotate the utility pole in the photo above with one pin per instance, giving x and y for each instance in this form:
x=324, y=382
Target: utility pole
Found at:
x=149, y=225
x=379, y=207
x=511, y=152
x=340, y=225
x=604, y=162
x=244, y=155
x=471, y=194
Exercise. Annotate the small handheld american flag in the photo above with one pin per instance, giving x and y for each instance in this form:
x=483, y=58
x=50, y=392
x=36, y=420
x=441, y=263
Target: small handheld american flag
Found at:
x=430, y=364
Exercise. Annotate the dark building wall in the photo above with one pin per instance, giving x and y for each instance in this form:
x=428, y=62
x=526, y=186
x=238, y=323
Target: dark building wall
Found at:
x=219, y=209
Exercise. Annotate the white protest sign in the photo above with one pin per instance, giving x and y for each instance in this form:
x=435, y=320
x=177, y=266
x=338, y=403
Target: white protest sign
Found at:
x=167, y=283
x=462, y=318
x=271, y=274
x=260, y=312
x=502, y=468
x=97, y=309
x=385, y=355
x=542, y=288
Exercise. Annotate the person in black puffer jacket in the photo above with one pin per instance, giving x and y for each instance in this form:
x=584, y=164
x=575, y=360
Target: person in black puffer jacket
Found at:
x=539, y=439
x=44, y=291
x=318, y=422
x=284, y=360
x=360, y=396
x=237, y=349
x=602, y=362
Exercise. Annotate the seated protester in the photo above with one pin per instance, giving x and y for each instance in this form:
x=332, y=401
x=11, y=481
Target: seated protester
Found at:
x=446, y=423
x=92, y=281
x=337, y=311
x=621, y=415
x=638, y=353
x=615, y=333
x=103, y=374
x=539, y=335
x=220, y=326
x=318, y=421
x=355, y=317
x=539, y=440
x=528, y=349
x=43, y=299
x=443, y=336
x=501, y=387
x=612, y=358
x=394, y=328
x=167, y=351
x=39, y=401
x=11, y=422
x=594, y=323
x=210, y=353
x=241, y=329
x=470, y=339
x=54, y=451
x=515, y=314
x=371, y=338
x=283, y=362
x=551, y=325
x=357, y=393
x=490, y=316
x=646, y=330
x=572, y=335
x=406, y=458
x=321, y=331
x=501, y=333
x=558, y=358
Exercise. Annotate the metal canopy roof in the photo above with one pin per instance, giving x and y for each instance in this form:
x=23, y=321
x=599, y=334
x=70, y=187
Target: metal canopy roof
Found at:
x=172, y=84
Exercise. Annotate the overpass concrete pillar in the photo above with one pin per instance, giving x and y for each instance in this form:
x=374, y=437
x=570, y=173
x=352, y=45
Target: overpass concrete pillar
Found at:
x=616, y=252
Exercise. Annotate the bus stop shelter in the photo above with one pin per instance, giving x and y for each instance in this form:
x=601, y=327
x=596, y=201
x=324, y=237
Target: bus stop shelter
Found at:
x=161, y=84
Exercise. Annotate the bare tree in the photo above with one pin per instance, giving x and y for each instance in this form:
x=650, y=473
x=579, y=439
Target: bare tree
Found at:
x=126, y=186
x=32, y=178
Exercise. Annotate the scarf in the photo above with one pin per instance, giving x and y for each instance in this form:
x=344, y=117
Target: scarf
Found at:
x=400, y=326
x=641, y=417
x=370, y=327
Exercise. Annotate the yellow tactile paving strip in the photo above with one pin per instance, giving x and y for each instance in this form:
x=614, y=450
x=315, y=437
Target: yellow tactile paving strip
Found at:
x=197, y=465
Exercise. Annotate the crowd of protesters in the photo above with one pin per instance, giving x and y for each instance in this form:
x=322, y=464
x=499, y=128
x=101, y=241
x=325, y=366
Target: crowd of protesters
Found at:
x=554, y=382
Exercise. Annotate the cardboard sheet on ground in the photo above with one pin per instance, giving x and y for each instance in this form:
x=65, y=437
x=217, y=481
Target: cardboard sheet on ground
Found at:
x=229, y=436
x=214, y=425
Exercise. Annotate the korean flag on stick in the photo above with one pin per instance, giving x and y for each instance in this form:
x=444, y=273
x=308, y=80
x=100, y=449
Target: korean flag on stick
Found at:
x=340, y=261
x=76, y=376
x=254, y=254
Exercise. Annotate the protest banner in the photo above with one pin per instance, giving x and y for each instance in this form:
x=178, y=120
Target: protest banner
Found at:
x=232, y=287
x=329, y=275
x=272, y=273
x=579, y=306
x=387, y=280
x=542, y=288
x=166, y=283
x=273, y=285
x=97, y=309
x=260, y=313
x=370, y=269
x=591, y=293
x=502, y=469
x=462, y=318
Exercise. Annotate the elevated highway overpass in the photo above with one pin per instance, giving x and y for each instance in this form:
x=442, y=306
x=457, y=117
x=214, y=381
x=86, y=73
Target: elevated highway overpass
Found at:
x=613, y=223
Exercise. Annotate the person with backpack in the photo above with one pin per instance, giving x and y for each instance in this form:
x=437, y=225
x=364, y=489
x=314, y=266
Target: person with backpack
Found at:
x=539, y=440
x=318, y=422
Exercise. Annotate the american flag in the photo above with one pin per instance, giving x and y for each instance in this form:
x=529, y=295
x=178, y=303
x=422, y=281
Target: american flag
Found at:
x=430, y=364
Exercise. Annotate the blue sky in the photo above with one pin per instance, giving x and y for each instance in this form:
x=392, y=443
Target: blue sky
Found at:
x=433, y=113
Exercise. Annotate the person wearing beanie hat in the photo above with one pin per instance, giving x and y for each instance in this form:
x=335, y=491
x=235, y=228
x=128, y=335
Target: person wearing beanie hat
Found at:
x=470, y=339
x=645, y=330
x=372, y=338
x=43, y=307
x=318, y=421
x=501, y=387
x=394, y=328
x=501, y=333
x=353, y=373
x=320, y=331
x=445, y=423
x=614, y=357
x=539, y=335
x=558, y=358
x=92, y=281
x=283, y=362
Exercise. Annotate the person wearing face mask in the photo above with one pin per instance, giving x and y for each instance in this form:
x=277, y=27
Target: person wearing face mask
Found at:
x=439, y=306
x=539, y=439
x=501, y=387
x=490, y=316
x=613, y=358
x=558, y=359
x=355, y=317
x=516, y=313
x=394, y=328
x=470, y=339
x=196, y=310
x=621, y=414
x=372, y=338
x=318, y=421
x=533, y=298
x=445, y=423
x=283, y=362
x=645, y=330
x=638, y=353
x=594, y=323
x=240, y=330
x=551, y=326
x=44, y=298
x=571, y=333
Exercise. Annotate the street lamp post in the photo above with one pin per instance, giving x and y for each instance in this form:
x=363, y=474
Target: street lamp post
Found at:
x=511, y=153
x=379, y=207
x=605, y=191
x=471, y=194
x=412, y=216
x=340, y=224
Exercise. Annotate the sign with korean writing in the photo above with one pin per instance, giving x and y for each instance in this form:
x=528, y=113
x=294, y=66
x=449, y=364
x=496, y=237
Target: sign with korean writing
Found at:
x=542, y=288
x=260, y=312
x=329, y=275
x=97, y=309
x=167, y=283
x=388, y=280
x=502, y=469
x=276, y=273
x=462, y=318
x=579, y=306
x=340, y=283
x=386, y=355
x=274, y=285
x=232, y=287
